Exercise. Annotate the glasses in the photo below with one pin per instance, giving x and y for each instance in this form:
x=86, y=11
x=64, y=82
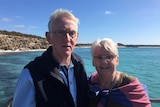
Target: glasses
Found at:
x=63, y=33
x=105, y=57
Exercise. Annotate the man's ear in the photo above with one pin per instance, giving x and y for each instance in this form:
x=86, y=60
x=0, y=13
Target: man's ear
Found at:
x=48, y=37
x=77, y=35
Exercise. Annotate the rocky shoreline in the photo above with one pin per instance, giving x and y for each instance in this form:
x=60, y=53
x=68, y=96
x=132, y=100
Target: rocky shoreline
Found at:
x=15, y=41
x=10, y=42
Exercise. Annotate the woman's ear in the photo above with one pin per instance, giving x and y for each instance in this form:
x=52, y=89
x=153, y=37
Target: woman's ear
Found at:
x=117, y=60
x=93, y=63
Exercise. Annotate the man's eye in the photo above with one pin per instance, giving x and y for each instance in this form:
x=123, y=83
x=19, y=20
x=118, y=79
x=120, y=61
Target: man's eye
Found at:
x=61, y=32
x=71, y=32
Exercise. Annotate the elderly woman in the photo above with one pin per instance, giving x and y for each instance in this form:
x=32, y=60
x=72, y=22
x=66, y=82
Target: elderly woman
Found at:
x=109, y=87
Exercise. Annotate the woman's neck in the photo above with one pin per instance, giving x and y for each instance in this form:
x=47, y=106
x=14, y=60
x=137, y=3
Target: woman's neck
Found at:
x=107, y=82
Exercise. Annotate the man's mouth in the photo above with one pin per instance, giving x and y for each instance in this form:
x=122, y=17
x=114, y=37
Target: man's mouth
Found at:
x=65, y=46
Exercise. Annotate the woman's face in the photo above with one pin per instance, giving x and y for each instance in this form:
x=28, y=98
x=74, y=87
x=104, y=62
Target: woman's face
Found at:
x=104, y=61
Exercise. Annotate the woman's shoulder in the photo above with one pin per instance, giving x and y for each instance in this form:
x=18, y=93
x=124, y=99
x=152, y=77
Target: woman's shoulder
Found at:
x=127, y=77
x=124, y=79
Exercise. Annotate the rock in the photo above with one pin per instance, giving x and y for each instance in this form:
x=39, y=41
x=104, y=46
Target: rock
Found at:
x=22, y=42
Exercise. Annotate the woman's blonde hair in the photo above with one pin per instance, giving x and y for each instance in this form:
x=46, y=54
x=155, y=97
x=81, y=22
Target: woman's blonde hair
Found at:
x=107, y=43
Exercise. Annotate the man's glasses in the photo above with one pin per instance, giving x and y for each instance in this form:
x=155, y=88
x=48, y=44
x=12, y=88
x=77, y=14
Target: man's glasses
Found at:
x=105, y=57
x=63, y=33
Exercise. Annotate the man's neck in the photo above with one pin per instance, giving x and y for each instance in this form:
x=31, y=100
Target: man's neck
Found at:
x=65, y=60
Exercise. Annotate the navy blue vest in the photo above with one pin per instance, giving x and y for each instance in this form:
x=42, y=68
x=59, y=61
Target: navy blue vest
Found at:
x=51, y=92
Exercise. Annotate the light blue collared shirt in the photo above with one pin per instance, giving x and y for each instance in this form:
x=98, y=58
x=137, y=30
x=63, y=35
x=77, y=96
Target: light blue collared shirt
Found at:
x=72, y=81
x=24, y=95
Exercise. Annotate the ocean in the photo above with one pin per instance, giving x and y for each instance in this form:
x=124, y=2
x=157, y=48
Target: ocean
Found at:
x=143, y=63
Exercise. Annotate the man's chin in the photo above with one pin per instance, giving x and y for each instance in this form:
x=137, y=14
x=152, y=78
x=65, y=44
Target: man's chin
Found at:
x=67, y=53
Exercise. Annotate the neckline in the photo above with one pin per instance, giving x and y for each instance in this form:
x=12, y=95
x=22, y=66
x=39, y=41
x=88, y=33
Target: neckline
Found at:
x=112, y=83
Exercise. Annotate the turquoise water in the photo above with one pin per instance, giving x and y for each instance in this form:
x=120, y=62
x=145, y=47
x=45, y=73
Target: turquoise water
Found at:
x=143, y=63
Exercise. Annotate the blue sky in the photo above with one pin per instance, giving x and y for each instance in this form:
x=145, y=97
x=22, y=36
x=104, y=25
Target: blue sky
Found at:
x=124, y=21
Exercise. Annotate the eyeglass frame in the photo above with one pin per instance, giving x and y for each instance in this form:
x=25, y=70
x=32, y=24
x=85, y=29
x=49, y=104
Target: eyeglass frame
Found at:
x=109, y=58
x=62, y=33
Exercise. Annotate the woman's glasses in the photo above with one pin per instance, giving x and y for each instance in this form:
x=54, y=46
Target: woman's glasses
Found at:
x=105, y=57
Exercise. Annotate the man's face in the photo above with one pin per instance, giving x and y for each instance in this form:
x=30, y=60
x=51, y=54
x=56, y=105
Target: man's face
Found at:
x=63, y=37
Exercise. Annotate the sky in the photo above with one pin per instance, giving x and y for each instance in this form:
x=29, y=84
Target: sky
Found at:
x=130, y=22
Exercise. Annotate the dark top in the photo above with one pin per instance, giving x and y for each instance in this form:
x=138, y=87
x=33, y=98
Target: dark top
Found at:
x=50, y=90
x=123, y=80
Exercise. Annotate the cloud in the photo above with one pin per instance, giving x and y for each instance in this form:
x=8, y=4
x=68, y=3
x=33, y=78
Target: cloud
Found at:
x=108, y=12
x=18, y=26
x=6, y=19
x=33, y=27
x=23, y=26
x=19, y=17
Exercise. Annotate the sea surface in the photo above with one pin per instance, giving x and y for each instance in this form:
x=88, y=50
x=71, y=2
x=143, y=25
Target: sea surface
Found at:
x=144, y=63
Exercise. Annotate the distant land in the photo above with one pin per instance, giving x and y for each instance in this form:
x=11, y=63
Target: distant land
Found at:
x=19, y=41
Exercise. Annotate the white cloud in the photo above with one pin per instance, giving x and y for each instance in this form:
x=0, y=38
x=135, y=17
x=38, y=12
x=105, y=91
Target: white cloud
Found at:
x=19, y=26
x=33, y=27
x=19, y=17
x=108, y=12
x=6, y=19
